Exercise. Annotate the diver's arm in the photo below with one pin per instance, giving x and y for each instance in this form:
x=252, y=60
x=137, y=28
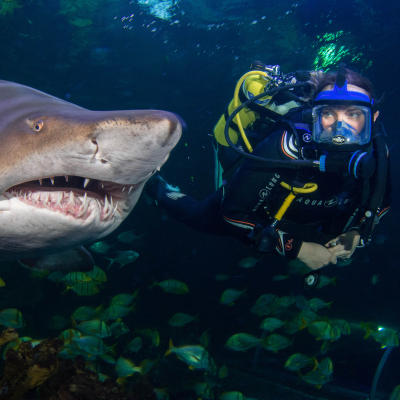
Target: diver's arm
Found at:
x=250, y=196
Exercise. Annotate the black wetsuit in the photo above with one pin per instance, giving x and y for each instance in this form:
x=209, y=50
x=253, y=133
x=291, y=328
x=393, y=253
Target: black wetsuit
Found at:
x=255, y=195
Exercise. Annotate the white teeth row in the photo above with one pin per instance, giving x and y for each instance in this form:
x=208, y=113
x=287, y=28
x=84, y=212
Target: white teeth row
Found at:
x=71, y=206
x=87, y=180
x=108, y=208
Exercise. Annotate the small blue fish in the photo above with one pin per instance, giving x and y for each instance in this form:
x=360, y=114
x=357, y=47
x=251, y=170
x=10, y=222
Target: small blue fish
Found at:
x=123, y=258
x=101, y=247
x=129, y=236
x=126, y=367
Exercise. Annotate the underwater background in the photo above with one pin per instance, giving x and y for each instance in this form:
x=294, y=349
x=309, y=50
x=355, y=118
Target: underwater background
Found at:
x=186, y=57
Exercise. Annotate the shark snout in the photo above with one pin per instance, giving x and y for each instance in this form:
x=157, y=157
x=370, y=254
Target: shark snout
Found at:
x=132, y=145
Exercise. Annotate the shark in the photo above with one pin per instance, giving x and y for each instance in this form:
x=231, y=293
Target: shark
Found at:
x=69, y=176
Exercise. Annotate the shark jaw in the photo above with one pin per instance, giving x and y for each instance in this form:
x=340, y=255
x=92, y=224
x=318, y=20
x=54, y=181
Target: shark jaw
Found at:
x=63, y=211
x=74, y=197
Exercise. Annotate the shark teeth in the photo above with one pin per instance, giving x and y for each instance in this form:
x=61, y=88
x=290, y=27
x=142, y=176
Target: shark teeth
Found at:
x=108, y=207
x=72, y=200
x=85, y=205
x=70, y=203
x=59, y=198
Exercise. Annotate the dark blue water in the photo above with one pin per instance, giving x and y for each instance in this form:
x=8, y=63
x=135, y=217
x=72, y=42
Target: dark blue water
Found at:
x=186, y=57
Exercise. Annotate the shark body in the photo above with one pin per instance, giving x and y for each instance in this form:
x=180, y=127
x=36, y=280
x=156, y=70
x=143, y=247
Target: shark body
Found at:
x=70, y=176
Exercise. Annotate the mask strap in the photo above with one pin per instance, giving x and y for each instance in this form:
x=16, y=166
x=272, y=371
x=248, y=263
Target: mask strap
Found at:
x=341, y=75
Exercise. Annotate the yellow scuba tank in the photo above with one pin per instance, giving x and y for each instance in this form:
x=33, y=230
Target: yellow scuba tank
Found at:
x=266, y=109
x=253, y=85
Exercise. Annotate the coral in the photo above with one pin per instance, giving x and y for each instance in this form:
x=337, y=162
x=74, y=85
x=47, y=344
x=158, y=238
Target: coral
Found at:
x=36, y=372
x=76, y=382
x=8, y=335
x=29, y=367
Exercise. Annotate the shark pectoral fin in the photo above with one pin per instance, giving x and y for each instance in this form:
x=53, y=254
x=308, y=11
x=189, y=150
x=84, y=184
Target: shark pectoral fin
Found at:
x=77, y=259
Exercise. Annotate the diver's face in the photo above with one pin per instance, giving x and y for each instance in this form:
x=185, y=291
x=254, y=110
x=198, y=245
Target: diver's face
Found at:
x=351, y=88
x=352, y=115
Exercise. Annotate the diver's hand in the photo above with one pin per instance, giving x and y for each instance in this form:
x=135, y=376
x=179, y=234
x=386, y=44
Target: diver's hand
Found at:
x=344, y=245
x=315, y=256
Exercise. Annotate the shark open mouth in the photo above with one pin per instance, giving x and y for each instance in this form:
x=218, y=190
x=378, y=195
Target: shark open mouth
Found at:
x=75, y=196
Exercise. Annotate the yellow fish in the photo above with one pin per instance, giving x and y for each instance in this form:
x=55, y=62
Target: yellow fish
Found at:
x=205, y=338
x=298, y=361
x=232, y=396
x=11, y=318
x=73, y=278
x=276, y=342
x=124, y=299
x=230, y=295
x=223, y=372
x=97, y=274
x=135, y=345
x=242, y=342
x=126, y=367
x=202, y=389
x=180, y=319
x=172, y=286
x=195, y=356
x=84, y=288
x=396, y=393
x=155, y=338
x=85, y=313
x=94, y=327
x=117, y=312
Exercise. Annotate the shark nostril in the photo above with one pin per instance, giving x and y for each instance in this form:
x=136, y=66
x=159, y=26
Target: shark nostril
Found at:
x=94, y=141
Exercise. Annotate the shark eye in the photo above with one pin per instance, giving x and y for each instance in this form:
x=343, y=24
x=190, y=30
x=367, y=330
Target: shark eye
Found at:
x=38, y=126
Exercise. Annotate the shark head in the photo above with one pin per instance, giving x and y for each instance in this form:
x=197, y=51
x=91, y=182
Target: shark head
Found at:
x=69, y=176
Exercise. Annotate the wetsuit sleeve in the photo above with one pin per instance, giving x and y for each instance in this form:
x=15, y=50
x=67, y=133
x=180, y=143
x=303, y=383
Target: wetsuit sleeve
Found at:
x=250, y=202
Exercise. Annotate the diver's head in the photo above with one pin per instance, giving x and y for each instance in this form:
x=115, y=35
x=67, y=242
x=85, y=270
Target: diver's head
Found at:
x=343, y=111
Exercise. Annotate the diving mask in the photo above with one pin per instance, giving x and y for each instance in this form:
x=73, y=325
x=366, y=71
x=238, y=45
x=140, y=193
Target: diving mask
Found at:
x=341, y=124
x=342, y=119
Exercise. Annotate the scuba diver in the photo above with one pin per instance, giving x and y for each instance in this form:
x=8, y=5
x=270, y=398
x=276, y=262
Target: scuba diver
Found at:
x=317, y=181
